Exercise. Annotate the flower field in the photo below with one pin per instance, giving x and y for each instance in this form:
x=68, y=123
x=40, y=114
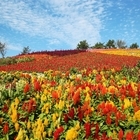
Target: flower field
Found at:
x=71, y=96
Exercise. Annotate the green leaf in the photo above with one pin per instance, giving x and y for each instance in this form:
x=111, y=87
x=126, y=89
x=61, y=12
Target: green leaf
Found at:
x=32, y=117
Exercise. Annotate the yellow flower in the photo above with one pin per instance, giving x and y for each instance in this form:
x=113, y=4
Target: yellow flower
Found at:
x=127, y=103
x=44, y=134
x=46, y=122
x=1, y=120
x=50, y=133
x=137, y=115
x=45, y=108
x=38, y=129
x=87, y=97
x=16, y=101
x=14, y=115
x=112, y=89
x=28, y=125
x=26, y=138
x=77, y=126
x=37, y=96
x=20, y=134
x=87, y=89
x=94, y=71
x=45, y=91
x=123, y=82
x=43, y=98
x=71, y=134
x=54, y=117
x=61, y=104
x=133, y=85
x=16, y=126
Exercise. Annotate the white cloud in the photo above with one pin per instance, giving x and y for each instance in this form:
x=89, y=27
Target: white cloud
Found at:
x=9, y=45
x=68, y=21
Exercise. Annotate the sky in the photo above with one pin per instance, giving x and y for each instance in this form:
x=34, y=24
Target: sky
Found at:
x=62, y=24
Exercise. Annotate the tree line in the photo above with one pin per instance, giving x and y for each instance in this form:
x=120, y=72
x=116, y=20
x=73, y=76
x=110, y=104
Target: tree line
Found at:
x=111, y=44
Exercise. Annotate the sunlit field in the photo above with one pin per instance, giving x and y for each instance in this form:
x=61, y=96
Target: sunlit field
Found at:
x=72, y=95
x=128, y=52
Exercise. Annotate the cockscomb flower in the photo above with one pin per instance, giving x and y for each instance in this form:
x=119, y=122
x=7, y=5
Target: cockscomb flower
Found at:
x=26, y=88
x=71, y=134
x=137, y=115
x=87, y=127
x=5, y=128
x=57, y=133
x=127, y=103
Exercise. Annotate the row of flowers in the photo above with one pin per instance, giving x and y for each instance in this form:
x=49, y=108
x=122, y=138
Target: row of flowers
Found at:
x=78, y=104
x=79, y=60
x=128, y=52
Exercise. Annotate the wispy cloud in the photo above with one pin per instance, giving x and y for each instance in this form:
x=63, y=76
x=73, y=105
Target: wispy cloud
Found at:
x=9, y=45
x=68, y=21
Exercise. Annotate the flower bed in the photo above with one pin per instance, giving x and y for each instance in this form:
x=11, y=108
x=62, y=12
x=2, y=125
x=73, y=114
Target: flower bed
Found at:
x=99, y=104
x=80, y=60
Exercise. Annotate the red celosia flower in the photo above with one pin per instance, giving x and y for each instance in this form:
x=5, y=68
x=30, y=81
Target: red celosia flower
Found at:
x=138, y=89
x=80, y=113
x=29, y=106
x=53, y=83
x=5, y=108
x=66, y=118
x=96, y=136
x=26, y=88
x=71, y=113
x=120, y=134
x=104, y=137
x=87, y=127
x=98, y=78
x=129, y=135
x=37, y=86
x=108, y=119
x=5, y=128
x=138, y=136
x=57, y=133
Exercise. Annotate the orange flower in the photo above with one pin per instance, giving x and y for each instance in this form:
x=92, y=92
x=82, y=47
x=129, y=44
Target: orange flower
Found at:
x=55, y=95
x=26, y=88
x=76, y=97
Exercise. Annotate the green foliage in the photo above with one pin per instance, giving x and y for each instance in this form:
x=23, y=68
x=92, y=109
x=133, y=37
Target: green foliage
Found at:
x=98, y=45
x=110, y=44
x=134, y=46
x=3, y=49
x=14, y=60
x=26, y=50
x=82, y=45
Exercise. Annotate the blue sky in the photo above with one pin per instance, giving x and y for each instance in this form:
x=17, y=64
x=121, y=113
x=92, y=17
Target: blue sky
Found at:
x=62, y=24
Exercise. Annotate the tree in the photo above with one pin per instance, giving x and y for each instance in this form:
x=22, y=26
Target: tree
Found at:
x=134, y=46
x=98, y=45
x=26, y=50
x=110, y=44
x=121, y=44
x=3, y=49
x=82, y=45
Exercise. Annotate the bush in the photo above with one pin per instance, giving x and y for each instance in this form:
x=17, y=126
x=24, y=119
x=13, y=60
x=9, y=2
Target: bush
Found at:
x=14, y=60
